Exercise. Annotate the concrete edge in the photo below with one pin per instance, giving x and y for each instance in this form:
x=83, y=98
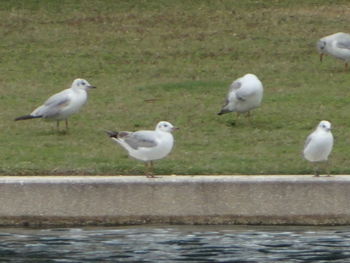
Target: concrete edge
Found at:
x=39, y=221
x=129, y=200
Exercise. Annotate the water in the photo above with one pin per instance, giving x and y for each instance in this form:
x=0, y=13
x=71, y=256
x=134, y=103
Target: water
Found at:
x=176, y=244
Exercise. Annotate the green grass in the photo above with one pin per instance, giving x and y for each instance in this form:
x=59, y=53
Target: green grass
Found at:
x=171, y=60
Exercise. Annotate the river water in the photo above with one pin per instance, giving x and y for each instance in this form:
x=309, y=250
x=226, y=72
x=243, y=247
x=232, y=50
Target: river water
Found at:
x=176, y=244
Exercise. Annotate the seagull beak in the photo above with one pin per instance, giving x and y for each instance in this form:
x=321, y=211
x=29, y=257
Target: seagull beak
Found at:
x=175, y=129
x=91, y=87
x=321, y=57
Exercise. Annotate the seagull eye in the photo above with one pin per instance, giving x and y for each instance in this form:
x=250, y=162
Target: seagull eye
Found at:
x=83, y=83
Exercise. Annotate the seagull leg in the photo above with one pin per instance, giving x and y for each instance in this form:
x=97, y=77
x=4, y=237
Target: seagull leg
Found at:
x=324, y=166
x=151, y=167
x=57, y=125
x=316, y=170
x=327, y=168
x=249, y=117
x=146, y=169
x=346, y=66
x=66, y=124
x=150, y=173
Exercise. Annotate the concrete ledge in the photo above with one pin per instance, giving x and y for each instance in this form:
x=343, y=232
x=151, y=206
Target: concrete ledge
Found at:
x=112, y=200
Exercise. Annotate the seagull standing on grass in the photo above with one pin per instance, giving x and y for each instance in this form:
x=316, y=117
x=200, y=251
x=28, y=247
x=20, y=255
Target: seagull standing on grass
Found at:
x=63, y=104
x=244, y=94
x=336, y=45
x=147, y=146
x=319, y=145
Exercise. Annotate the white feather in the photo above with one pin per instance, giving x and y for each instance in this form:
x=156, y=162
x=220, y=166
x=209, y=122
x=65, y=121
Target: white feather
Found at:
x=319, y=143
x=245, y=94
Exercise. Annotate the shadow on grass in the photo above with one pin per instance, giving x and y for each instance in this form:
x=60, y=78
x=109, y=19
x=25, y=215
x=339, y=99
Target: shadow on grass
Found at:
x=250, y=123
x=336, y=70
x=53, y=132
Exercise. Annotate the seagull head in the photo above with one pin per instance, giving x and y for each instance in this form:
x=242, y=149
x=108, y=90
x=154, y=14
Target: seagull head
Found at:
x=325, y=125
x=321, y=45
x=165, y=126
x=250, y=75
x=82, y=84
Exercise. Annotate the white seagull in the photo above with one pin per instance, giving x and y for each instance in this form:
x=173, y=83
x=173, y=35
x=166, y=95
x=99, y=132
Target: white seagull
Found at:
x=147, y=146
x=319, y=144
x=336, y=45
x=244, y=94
x=63, y=104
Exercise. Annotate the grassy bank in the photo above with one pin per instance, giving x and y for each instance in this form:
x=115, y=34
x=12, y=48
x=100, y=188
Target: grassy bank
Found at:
x=171, y=60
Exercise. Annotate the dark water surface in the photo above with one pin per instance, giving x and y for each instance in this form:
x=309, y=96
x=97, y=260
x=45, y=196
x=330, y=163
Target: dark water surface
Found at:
x=176, y=244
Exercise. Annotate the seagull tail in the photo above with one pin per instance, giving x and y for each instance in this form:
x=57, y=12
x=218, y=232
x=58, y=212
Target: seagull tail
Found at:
x=112, y=134
x=223, y=111
x=27, y=117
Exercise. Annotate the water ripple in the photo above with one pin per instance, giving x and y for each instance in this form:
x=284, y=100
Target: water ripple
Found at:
x=176, y=244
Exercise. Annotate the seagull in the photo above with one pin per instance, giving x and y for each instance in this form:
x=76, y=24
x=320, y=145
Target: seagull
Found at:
x=147, y=145
x=319, y=144
x=63, y=104
x=336, y=45
x=244, y=94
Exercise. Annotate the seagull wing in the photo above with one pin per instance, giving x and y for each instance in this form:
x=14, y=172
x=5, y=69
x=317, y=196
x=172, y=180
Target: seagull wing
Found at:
x=232, y=90
x=139, y=139
x=59, y=98
x=308, y=140
x=235, y=86
x=244, y=92
x=345, y=44
x=54, y=104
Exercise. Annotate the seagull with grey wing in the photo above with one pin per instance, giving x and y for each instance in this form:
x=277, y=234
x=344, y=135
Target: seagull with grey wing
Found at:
x=244, y=94
x=319, y=145
x=147, y=145
x=63, y=104
x=336, y=45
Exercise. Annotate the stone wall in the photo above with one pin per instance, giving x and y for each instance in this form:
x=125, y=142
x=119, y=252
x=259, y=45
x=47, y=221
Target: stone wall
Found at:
x=115, y=200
